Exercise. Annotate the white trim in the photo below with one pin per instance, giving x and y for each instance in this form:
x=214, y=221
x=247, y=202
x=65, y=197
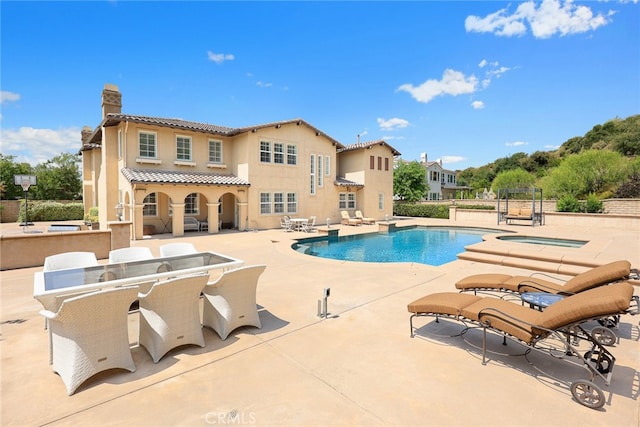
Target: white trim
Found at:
x=216, y=165
x=150, y=161
x=184, y=163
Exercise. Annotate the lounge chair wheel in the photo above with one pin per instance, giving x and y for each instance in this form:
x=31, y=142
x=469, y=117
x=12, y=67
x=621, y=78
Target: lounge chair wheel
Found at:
x=587, y=394
x=604, y=336
x=610, y=322
x=602, y=361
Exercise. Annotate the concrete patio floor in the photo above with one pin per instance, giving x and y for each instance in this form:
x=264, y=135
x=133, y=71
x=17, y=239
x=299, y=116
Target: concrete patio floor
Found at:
x=358, y=367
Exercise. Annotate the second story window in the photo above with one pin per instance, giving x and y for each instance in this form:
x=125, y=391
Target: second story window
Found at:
x=265, y=152
x=183, y=148
x=147, y=145
x=292, y=155
x=278, y=153
x=215, y=151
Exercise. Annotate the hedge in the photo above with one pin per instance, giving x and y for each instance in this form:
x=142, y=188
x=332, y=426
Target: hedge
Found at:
x=51, y=211
x=419, y=210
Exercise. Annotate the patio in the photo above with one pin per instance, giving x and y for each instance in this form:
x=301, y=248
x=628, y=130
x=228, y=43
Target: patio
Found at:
x=357, y=367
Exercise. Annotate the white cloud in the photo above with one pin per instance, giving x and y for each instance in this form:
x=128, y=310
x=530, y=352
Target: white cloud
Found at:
x=544, y=20
x=551, y=147
x=219, y=58
x=452, y=159
x=477, y=105
x=6, y=96
x=36, y=146
x=515, y=143
x=393, y=138
x=263, y=84
x=392, y=124
x=452, y=83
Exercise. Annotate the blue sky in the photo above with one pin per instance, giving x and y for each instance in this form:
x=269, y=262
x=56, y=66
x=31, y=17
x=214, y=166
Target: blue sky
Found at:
x=467, y=82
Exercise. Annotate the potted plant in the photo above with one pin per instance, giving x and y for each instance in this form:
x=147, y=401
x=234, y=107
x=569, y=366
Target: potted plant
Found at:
x=91, y=218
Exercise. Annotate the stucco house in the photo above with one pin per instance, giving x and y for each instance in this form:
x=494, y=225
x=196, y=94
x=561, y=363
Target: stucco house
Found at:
x=155, y=172
x=442, y=182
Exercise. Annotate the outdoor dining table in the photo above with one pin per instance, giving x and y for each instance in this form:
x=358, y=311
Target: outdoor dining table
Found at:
x=49, y=285
x=298, y=223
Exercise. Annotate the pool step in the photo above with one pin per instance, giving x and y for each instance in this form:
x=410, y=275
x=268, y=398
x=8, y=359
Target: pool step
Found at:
x=539, y=259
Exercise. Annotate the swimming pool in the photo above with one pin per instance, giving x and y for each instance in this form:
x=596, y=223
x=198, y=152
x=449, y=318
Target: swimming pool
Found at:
x=568, y=243
x=425, y=245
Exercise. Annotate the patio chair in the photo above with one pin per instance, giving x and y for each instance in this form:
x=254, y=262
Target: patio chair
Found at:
x=347, y=220
x=285, y=224
x=310, y=226
x=560, y=321
x=230, y=301
x=364, y=219
x=597, y=276
x=69, y=260
x=129, y=254
x=178, y=248
x=170, y=315
x=89, y=335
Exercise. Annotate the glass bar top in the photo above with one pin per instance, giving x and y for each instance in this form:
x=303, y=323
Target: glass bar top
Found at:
x=61, y=279
x=540, y=299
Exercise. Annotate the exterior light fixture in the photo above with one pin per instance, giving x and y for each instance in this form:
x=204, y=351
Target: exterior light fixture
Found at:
x=119, y=211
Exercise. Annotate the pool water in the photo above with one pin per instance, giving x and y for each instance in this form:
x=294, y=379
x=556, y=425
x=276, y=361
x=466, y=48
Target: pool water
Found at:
x=568, y=243
x=425, y=245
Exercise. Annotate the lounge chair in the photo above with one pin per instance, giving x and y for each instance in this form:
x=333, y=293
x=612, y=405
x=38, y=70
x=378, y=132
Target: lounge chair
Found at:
x=230, y=301
x=89, y=334
x=560, y=321
x=347, y=220
x=169, y=315
x=598, y=276
x=364, y=219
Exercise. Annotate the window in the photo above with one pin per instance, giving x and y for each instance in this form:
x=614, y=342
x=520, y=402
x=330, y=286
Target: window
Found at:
x=278, y=153
x=434, y=176
x=386, y=163
x=379, y=163
x=265, y=152
x=381, y=201
x=312, y=163
x=292, y=155
x=150, y=205
x=347, y=201
x=183, y=148
x=215, y=151
x=147, y=145
x=265, y=203
x=192, y=204
x=320, y=174
x=372, y=162
x=278, y=203
x=327, y=165
x=292, y=203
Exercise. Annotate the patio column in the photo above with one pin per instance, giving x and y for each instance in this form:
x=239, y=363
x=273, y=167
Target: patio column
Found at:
x=243, y=222
x=177, y=222
x=138, y=222
x=212, y=217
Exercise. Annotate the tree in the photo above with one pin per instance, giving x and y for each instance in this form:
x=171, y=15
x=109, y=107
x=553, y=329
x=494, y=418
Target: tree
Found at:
x=591, y=171
x=514, y=178
x=59, y=178
x=9, y=168
x=410, y=181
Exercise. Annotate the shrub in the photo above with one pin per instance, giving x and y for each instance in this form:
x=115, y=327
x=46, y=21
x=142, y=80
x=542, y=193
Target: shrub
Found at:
x=422, y=211
x=92, y=215
x=51, y=211
x=593, y=204
x=568, y=203
x=478, y=207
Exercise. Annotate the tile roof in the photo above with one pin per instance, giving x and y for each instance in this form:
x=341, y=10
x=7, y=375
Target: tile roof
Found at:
x=363, y=145
x=112, y=119
x=173, y=177
x=342, y=182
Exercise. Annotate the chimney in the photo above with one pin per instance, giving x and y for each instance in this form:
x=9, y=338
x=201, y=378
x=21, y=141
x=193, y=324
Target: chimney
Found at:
x=86, y=134
x=111, y=100
x=423, y=157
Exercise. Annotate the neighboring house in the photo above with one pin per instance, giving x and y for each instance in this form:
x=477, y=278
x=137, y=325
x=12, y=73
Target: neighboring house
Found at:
x=442, y=182
x=161, y=170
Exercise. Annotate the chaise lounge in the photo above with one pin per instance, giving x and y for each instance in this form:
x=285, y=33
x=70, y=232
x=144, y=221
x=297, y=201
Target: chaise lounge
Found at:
x=597, y=276
x=347, y=220
x=560, y=321
x=364, y=219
